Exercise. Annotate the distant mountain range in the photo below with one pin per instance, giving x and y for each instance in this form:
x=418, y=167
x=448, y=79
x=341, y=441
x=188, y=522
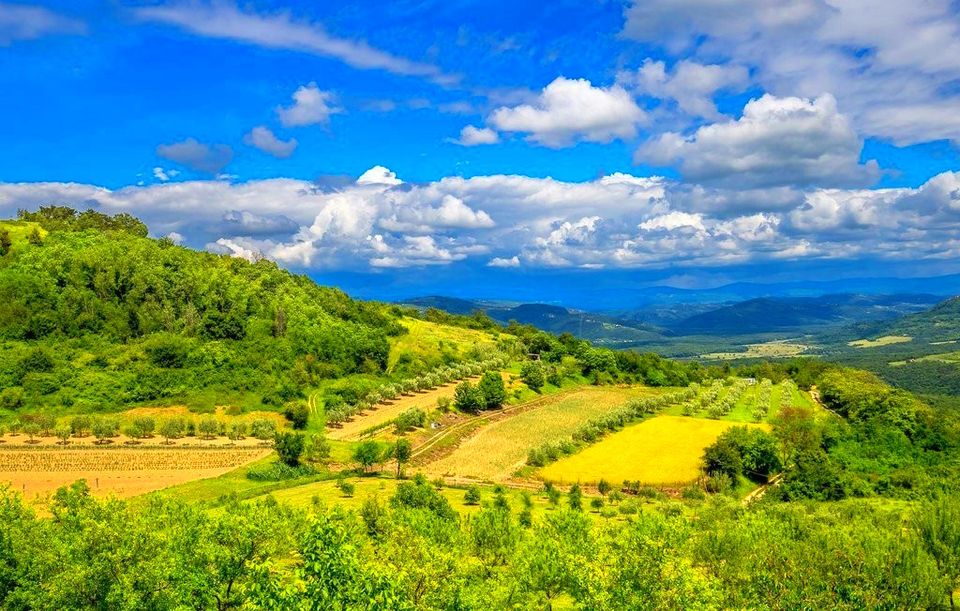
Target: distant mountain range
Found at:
x=662, y=322
x=770, y=315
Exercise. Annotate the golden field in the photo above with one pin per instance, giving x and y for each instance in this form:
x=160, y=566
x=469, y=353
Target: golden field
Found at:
x=660, y=451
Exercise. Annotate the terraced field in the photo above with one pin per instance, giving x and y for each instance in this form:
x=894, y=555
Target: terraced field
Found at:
x=496, y=451
x=665, y=450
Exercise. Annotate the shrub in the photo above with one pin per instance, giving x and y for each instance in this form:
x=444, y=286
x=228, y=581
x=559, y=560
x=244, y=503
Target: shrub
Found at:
x=11, y=398
x=472, y=496
x=410, y=419
x=80, y=426
x=278, y=471
x=531, y=373
x=208, y=427
x=346, y=488
x=443, y=404
x=263, y=429
x=146, y=424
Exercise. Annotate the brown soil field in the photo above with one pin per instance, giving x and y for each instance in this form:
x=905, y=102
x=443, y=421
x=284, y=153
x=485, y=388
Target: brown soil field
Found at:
x=119, y=472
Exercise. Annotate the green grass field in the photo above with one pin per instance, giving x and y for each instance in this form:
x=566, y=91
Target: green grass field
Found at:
x=19, y=230
x=665, y=450
x=770, y=350
x=886, y=340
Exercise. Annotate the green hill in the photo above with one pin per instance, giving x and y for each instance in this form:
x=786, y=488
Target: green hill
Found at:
x=95, y=316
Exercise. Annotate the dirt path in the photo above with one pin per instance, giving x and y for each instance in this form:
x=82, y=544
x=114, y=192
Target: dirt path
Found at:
x=757, y=494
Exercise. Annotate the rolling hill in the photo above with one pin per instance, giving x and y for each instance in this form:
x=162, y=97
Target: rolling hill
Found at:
x=96, y=316
x=599, y=328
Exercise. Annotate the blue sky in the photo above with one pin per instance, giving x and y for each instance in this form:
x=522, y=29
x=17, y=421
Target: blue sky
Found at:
x=481, y=149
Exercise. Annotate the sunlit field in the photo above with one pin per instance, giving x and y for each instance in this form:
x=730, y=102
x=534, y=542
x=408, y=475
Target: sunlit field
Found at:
x=660, y=451
x=498, y=450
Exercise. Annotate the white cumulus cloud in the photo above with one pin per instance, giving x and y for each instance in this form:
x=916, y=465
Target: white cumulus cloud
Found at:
x=311, y=106
x=262, y=138
x=571, y=110
x=777, y=141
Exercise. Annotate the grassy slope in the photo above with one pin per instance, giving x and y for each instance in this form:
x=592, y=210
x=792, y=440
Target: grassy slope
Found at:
x=426, y=340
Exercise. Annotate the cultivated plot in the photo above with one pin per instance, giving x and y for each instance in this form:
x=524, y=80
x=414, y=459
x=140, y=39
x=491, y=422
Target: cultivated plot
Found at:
x=496, y=451
x=121, y=472
x=661, y=451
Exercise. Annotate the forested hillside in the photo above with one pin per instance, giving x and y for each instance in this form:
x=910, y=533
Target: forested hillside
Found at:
x=94, y=314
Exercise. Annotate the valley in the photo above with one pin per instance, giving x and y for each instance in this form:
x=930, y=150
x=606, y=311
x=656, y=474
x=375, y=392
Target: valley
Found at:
x=289, y=408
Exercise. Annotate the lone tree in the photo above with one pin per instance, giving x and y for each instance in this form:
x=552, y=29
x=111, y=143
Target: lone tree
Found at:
x=467, y=398
x=401, y=451
x=367, y=454
x=289, y=447
x=532, y=375
x=492, y=389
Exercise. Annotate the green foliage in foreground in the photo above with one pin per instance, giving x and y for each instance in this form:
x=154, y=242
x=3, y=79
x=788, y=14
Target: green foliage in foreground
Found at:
x=416, y=552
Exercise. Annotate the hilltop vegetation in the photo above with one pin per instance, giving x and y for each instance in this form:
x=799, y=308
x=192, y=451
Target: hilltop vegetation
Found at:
x=96, y=316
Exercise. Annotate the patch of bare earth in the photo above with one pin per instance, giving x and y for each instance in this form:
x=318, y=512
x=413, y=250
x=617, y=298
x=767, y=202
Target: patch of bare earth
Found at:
x=120, y=472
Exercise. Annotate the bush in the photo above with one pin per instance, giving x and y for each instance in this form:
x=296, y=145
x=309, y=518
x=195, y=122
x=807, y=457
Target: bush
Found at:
x=278, y=471
x=263, y=429
x=168, y=351
x=11, y=398
x=531, y=373
x=410, y=419
x=443, y=404
x=80, y=426
x=472, y=496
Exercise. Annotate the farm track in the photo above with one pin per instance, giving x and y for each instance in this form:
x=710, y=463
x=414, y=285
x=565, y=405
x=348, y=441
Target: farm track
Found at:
x=758, y=494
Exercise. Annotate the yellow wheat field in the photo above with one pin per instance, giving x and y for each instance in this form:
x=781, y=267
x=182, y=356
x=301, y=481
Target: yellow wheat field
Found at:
x=662, y=450
x=498, y=450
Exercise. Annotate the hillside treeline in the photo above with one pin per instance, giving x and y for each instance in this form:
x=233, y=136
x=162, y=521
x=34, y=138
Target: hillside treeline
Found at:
x=98, y=316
